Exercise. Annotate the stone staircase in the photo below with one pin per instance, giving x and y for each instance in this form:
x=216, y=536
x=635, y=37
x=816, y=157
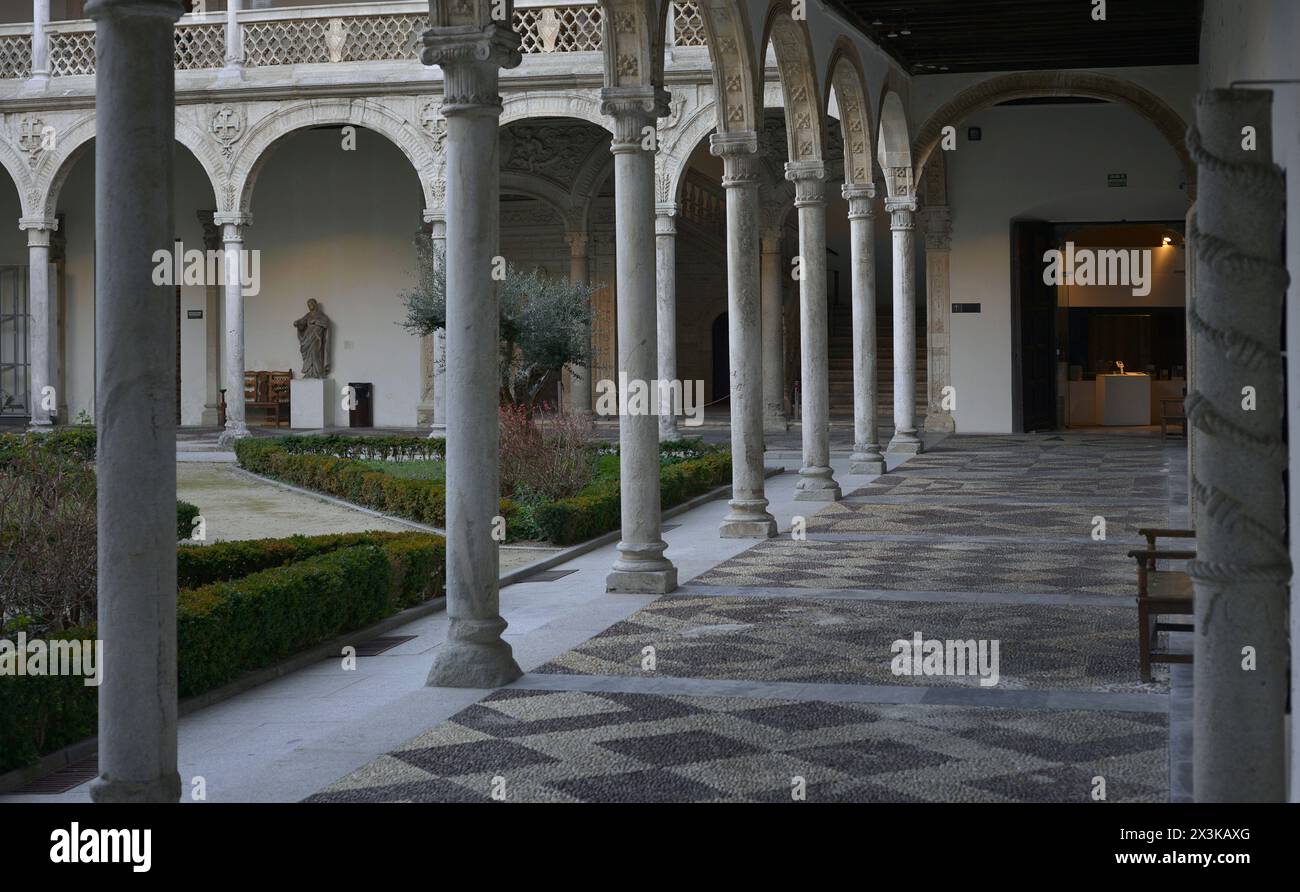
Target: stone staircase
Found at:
x=841, y=366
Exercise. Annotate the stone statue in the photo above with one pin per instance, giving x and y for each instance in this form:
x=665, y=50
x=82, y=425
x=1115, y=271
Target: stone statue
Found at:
x=314, y=341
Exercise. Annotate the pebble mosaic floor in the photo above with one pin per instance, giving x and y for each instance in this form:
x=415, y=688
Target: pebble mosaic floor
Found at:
x=1000, y=549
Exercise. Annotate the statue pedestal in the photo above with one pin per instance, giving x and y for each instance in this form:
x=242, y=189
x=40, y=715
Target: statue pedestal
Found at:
x=309, y=403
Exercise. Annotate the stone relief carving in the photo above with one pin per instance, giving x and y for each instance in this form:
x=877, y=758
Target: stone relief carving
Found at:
x=32, y=137
x=555, y=151
x=227, y=126
x=336, y=35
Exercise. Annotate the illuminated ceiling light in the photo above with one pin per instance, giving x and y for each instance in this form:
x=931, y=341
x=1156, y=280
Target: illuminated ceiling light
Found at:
x=1167, y=241
x=906, y=32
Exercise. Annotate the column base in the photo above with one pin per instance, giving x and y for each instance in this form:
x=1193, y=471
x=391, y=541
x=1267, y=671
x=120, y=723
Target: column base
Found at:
x=41, y=426
x=775, y=424
x=867, y=462
x=669, y=433
x=816, y=485
x=209, y=416
x=748, y=527
x=641, y=582
x=906, y=443
x=166, y=788
x=436, y=431
x=940, y=423
x=233, y=432
x=474, y=664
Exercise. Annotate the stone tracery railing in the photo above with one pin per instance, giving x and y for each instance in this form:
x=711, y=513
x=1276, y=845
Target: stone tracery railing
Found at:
x=331, y=34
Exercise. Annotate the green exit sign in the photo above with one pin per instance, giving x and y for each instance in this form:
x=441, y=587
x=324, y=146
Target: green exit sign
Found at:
x=1117, y=180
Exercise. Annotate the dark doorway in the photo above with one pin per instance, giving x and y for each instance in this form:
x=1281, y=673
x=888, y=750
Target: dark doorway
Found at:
x=1033, y=317
x=721, y=366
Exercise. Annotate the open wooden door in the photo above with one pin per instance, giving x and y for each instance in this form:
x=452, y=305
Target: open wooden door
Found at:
x=1033, y=314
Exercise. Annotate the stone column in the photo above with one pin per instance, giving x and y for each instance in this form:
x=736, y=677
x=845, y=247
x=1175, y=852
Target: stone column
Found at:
x=40, y=350
x=748, y=517
x=212, y=326
x=433, y=347
x=866, y=457
x=234, y=35
x=902, y=222
x=816, y=481
x=771, y=279
x=474, y=655
x=232, y=238
x=1242, y=567
x=666, y=317
x=135, y=367
x=641, y=565
x=40, y=41
x=580, y=384
x=938, y=245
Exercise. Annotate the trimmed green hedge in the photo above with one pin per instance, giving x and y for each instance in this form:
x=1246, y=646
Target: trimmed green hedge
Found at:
x=252, y=604
x=73, y=442
x=386, y=448
x=185, y=514
x=596, y=510
x=43, y=713
x=423, y=501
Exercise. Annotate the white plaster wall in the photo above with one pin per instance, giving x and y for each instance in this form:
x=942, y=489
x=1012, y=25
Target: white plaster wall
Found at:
x=338, y=226
x=1256, y=40
x=1046, y=163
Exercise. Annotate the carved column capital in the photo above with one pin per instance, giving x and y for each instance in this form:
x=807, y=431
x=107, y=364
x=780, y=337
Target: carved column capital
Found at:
x=578, y=242
x=739, y=153
x=861, y=199
x=808, y=178
x=902, y=210
x=38, y=229
x=665, y=224
x=633, y=109
x=471, y=58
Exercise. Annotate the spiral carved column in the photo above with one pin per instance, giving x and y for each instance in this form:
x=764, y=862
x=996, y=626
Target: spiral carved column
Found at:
x=1242, y=568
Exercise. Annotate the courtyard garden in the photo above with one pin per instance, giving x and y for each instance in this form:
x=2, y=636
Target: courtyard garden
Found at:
x=241, y=606
x=558, y=483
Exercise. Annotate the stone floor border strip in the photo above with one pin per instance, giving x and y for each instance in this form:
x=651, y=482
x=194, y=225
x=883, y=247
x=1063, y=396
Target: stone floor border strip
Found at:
x=1044, y=599
x=895, y=695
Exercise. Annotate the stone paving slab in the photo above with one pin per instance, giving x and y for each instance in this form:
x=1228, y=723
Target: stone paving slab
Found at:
x=573, y=746
x=981, y=519
x=849, y=642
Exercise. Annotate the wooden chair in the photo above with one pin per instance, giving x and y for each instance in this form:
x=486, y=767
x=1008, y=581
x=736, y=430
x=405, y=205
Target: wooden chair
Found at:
x=1171, y=410
x=1161, y=593
x=268, y=391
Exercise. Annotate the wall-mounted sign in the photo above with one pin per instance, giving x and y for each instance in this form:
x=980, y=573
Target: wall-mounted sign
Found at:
x=974, y=134
x=1117, y=180
x=194, y=314
x=965, y=308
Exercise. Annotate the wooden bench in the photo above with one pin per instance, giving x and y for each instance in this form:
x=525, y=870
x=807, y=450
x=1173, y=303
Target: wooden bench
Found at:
x=1161, y=593
x=262, y=390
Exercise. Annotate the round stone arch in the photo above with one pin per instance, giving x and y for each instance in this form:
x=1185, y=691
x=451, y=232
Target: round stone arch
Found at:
x=893, y=147
x=737, y=87
x=805, y=124
x=1033, y=84
x=259, y=143
x=582, y=105
x=16, y=166
x=52, y=169
x=562, y=202
x=671, y=161
x=845, y=76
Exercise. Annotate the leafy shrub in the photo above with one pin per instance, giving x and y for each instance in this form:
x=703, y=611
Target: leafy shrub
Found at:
x=42, y=713
x=550, y=463
x=185, y=514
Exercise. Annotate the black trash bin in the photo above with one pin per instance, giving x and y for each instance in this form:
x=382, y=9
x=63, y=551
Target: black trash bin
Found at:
x=362, y=413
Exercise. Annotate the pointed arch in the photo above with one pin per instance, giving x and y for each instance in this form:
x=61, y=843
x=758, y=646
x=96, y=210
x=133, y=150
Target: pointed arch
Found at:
x=737, y=85
x=894, y=147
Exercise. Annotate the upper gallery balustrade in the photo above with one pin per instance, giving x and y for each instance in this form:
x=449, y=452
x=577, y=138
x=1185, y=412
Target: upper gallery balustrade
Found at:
x=334, y=34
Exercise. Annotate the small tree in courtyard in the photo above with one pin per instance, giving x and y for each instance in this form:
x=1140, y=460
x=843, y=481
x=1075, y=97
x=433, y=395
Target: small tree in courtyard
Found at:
x=543, y=323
